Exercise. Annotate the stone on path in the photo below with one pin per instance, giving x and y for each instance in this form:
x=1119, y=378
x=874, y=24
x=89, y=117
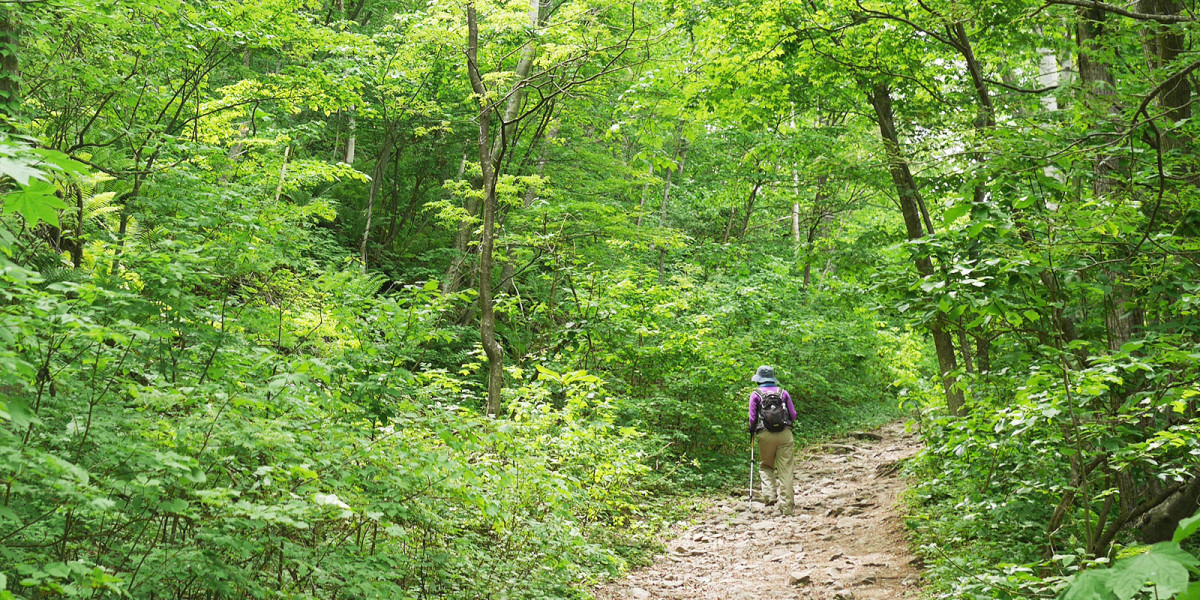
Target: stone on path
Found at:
x=800, y=578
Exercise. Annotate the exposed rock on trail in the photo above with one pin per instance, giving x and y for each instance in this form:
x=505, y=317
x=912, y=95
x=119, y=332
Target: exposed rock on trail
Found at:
x=845, y=541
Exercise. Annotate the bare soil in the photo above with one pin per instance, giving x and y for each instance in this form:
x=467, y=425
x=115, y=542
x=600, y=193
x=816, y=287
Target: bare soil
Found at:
x=845, y=541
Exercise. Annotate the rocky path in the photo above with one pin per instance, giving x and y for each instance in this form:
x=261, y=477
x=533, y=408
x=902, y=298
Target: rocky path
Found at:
x=845, y=541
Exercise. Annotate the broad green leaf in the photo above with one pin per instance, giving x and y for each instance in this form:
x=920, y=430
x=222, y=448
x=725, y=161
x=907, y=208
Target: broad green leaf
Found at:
x=20, y=414
x=195, y=475
x=1089, y=585
x=1191, y=593
x=954, y=212
x=1160, y=571
x=35, y=203
x=19, y=170
x=1186, y=528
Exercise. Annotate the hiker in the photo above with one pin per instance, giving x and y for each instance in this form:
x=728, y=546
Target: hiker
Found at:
x=771, y=418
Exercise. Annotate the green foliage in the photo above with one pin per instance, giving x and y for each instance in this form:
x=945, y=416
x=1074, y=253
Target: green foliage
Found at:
x=33, y=171
x=1161, y=571
x=239, y=354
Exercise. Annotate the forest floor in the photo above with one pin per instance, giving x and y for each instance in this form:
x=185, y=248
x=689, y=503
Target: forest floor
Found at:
x=845, y=541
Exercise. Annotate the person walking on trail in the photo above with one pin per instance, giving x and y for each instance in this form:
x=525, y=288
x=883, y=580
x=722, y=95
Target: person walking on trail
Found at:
x=771, y=418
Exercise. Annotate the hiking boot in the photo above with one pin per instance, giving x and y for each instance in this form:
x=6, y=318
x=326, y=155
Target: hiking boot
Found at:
x=771, y=501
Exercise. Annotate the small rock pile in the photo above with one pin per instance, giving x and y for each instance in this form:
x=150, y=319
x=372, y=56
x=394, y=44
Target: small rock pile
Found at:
x=845, y=541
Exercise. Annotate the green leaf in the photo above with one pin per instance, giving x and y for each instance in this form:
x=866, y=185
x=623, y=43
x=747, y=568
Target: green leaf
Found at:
x=1160, y=571
x=544, y=373
x=57, y=569
x=954, y=212
x=1089, y=585
x=1192, y=592
x=1186, y=528
x=195, y=475
x=1173, y=551
x=19, y=170
x=34, y=203
x=62, y=161
x=20, y=414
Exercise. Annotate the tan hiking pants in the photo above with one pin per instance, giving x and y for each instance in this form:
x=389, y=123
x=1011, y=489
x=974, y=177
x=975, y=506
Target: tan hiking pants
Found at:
x=777, y=451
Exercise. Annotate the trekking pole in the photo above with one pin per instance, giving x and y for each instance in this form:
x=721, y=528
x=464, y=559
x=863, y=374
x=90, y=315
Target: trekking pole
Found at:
x=750, y=493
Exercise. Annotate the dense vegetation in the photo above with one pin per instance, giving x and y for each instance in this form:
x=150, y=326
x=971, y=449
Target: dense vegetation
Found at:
x=383, y=298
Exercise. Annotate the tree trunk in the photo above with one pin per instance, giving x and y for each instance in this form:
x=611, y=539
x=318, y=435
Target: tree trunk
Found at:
x=965, y=348
x=351, y=138
x=287, y=151
x=1099, y=88
x=680, y=159
x=10, y=76
x=1163, y=45
x=77, y=247
x=1100, y=92
x=821, y=218
x=750, y=208
x=457, y=272
x=385, y=154
x=983, y=354
x=487, y=164
x=645, y=192
x=462, y=240
x=910, y=200
x=796, y=206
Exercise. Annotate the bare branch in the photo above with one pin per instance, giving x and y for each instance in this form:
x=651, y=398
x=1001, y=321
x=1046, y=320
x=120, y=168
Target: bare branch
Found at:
x=1117, y=10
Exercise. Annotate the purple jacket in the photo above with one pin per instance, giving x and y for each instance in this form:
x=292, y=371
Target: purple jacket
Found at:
x=755, y=398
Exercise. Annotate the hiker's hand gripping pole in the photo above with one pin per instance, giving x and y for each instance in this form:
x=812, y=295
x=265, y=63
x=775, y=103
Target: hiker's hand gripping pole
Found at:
x=750, y=493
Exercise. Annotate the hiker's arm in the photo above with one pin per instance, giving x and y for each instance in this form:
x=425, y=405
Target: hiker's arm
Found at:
x=753, y=411
x=787, y=399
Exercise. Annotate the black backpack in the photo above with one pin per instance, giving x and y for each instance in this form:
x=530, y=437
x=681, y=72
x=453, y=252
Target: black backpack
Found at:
x=772, y=411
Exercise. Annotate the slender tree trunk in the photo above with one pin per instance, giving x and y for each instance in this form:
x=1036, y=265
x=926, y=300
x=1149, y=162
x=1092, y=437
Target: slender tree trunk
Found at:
x=287, y=151
x=385, y=155
x=1099, y=91
x=1163, y=45
x=983, y=354
x=750, y=207
x=910, y=200
x=457, y=272
x=680, y=159
x=822, y=218
x=796, y=203
x=646, y=192
x=351, y=138
x=462, y=239
x=487, y=163
x=1099, y=88
x=729, y=223
x=10, y=75
x=965, y=348
x=77, y=247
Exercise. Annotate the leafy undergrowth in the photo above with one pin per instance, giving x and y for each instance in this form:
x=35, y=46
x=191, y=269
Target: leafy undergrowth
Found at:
x=222, y=434
x=987, y=486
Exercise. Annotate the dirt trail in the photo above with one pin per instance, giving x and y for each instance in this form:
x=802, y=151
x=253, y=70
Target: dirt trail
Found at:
x=844, y=542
